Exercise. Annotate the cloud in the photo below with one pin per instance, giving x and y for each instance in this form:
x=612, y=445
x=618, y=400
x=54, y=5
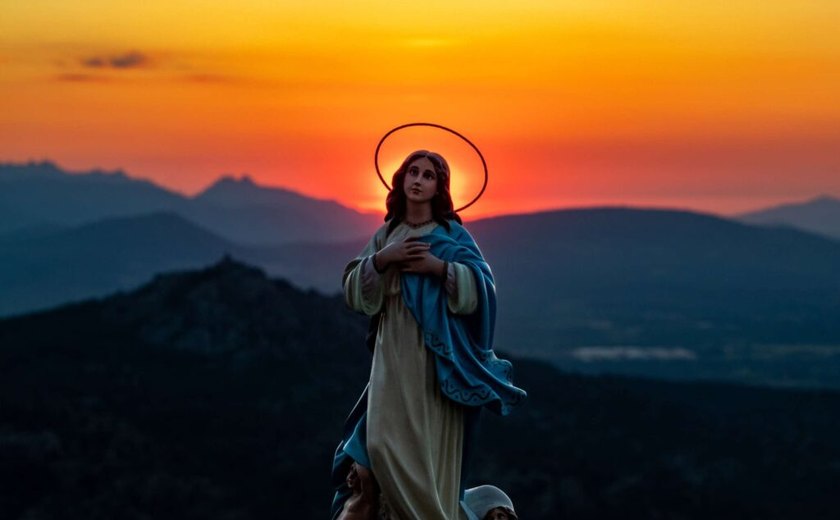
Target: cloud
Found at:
x=75, y=77
x=210, y=78
x=221, y=79
x=129, y=60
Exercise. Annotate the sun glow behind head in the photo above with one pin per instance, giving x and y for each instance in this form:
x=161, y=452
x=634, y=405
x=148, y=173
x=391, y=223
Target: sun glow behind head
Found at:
x=468, y=171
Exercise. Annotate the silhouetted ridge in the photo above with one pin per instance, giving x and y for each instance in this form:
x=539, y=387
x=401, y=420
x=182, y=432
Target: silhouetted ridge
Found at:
x=825, y=199
x=610, y=222
x=42, y=195
x=162, y=225
x=721, y=293
x=95, y=259
x=243, y=191
x=226, y=307
x=818, y=215
x=29, y=169
x=229, y=306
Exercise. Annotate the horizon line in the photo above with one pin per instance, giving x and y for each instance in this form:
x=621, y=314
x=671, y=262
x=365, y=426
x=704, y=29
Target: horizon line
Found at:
x=249, y=178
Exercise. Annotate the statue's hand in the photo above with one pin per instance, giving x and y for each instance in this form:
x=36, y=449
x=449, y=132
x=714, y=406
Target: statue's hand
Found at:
x=400, y=252
x=427, y=263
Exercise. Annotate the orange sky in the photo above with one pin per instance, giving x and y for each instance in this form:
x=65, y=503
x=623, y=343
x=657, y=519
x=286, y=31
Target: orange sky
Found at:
x=719, y=106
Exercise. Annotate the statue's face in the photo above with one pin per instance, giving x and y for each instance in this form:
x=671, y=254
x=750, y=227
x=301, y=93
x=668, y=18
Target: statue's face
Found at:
x=420, y=184
x=497, y=514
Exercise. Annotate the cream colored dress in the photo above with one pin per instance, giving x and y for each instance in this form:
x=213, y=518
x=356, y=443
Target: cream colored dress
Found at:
x=414, y=433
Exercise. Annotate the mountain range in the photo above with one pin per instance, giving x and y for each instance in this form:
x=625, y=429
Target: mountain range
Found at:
x=818, y=215
x=670, y=294
x=710, y=293
x=220, y=393
x=45, y=269
x=673, y=294
x=41, y=196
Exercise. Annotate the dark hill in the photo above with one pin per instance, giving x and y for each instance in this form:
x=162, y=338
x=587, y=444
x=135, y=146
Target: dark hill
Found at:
x=220, y=393
x=619, y=277
x=99, y=258
x=43, y=268
x=818, y=215
x=206, y=394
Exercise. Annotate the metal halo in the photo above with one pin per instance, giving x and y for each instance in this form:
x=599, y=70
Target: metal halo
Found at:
x=433, y=125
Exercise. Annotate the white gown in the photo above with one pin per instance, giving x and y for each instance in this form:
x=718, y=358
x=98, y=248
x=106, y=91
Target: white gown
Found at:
x=414, y=433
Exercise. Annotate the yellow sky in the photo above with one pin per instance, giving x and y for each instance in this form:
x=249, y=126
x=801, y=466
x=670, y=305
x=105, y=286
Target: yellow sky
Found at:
x=643, y=102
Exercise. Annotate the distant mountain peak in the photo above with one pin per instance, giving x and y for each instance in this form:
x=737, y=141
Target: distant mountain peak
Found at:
x=231, y=179
x=227, y=264
x=31, y=163
x=227, y=268
x=31, y=168
x=243, y=191
x=824, y=199
x=820, y=214
x=46, y=169
x=232, y=189
x=819, y=200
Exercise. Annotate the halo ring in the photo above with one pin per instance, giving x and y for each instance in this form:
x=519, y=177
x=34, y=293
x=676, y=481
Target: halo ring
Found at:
x=441, y=127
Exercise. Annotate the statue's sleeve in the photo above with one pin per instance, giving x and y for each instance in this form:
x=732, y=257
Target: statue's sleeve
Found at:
x=461, y=289
x=363, y=288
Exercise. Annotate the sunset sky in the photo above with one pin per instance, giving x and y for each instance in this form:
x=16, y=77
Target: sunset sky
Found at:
x=720, y=106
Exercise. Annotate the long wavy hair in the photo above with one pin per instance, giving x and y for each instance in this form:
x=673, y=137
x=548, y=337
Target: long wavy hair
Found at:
x=442, y=208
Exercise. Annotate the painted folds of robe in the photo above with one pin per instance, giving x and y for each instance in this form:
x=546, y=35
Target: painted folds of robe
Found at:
x=433, y=367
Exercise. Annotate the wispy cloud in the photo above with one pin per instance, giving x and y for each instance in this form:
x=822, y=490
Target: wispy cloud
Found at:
x=129, y=60
x=80, y=78
x=210, y=78
x=159, y=66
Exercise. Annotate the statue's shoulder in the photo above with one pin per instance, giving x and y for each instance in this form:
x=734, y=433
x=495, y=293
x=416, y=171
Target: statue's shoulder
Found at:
x=455, y=226
x=381, y=234
x=383, y=229
x=459, y=232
